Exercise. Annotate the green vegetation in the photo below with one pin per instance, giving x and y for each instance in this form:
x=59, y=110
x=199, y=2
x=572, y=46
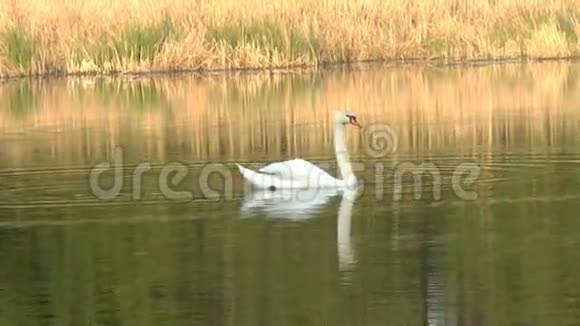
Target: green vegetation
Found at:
x=20, y=48
x=139, y=36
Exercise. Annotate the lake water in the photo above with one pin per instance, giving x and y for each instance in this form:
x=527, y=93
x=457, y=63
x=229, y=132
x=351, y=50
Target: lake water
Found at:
x=490, y=237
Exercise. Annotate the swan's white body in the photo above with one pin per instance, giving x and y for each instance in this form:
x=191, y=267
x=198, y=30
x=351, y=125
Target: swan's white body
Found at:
x=298, y=173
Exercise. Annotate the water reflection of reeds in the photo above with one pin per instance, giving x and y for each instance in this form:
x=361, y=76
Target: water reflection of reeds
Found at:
x=77, y=121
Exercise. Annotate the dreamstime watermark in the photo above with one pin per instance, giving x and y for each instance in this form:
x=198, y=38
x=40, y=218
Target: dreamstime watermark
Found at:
x=107, y=179
x=380, y=140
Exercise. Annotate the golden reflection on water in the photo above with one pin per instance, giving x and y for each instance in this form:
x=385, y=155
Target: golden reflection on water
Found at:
x=516, y=242
x=258, y=116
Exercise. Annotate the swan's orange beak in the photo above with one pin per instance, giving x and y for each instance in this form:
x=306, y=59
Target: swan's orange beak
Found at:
x=356, y=124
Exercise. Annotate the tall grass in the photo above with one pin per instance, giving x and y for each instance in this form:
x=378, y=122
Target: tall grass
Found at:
x=104, y=36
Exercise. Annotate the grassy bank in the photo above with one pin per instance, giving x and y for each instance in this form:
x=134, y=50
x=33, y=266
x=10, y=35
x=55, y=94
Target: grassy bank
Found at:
x=104, y=36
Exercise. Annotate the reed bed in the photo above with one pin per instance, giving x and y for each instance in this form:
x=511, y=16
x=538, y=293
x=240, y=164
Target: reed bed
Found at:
x=132, y=36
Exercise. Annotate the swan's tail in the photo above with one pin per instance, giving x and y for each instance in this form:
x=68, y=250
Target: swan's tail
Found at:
x=257, y=179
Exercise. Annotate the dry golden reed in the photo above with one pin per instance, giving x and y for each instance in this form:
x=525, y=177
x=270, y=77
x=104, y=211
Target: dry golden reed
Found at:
x=105, y=36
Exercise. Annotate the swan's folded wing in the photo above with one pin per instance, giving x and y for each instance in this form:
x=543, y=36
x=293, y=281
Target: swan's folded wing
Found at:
x=296, y=169
x=291, y=169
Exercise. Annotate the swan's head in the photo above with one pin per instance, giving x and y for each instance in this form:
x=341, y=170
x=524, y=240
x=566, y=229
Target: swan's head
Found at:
x=346, y=118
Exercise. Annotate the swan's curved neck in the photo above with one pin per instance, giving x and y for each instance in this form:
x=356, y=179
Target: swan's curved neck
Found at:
x=341, y=152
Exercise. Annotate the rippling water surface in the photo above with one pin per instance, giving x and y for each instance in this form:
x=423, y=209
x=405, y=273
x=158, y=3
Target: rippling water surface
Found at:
x=196, y=249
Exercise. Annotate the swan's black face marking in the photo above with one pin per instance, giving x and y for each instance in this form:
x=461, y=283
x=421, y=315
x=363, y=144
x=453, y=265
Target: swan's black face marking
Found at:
x=352, y=120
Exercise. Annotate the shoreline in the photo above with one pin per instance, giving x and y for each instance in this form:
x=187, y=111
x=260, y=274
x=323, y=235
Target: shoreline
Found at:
x=91, y=38
x=204, y=73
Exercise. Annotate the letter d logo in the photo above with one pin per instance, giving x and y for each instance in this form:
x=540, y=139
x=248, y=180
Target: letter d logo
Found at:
x=117, y=180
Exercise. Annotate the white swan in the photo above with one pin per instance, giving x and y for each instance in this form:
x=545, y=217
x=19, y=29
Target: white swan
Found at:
x=298, y=173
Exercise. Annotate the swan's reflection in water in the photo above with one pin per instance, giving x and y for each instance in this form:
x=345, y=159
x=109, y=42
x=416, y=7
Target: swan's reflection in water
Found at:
x=346, y=258
x=290, y=204
x=301, y=204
